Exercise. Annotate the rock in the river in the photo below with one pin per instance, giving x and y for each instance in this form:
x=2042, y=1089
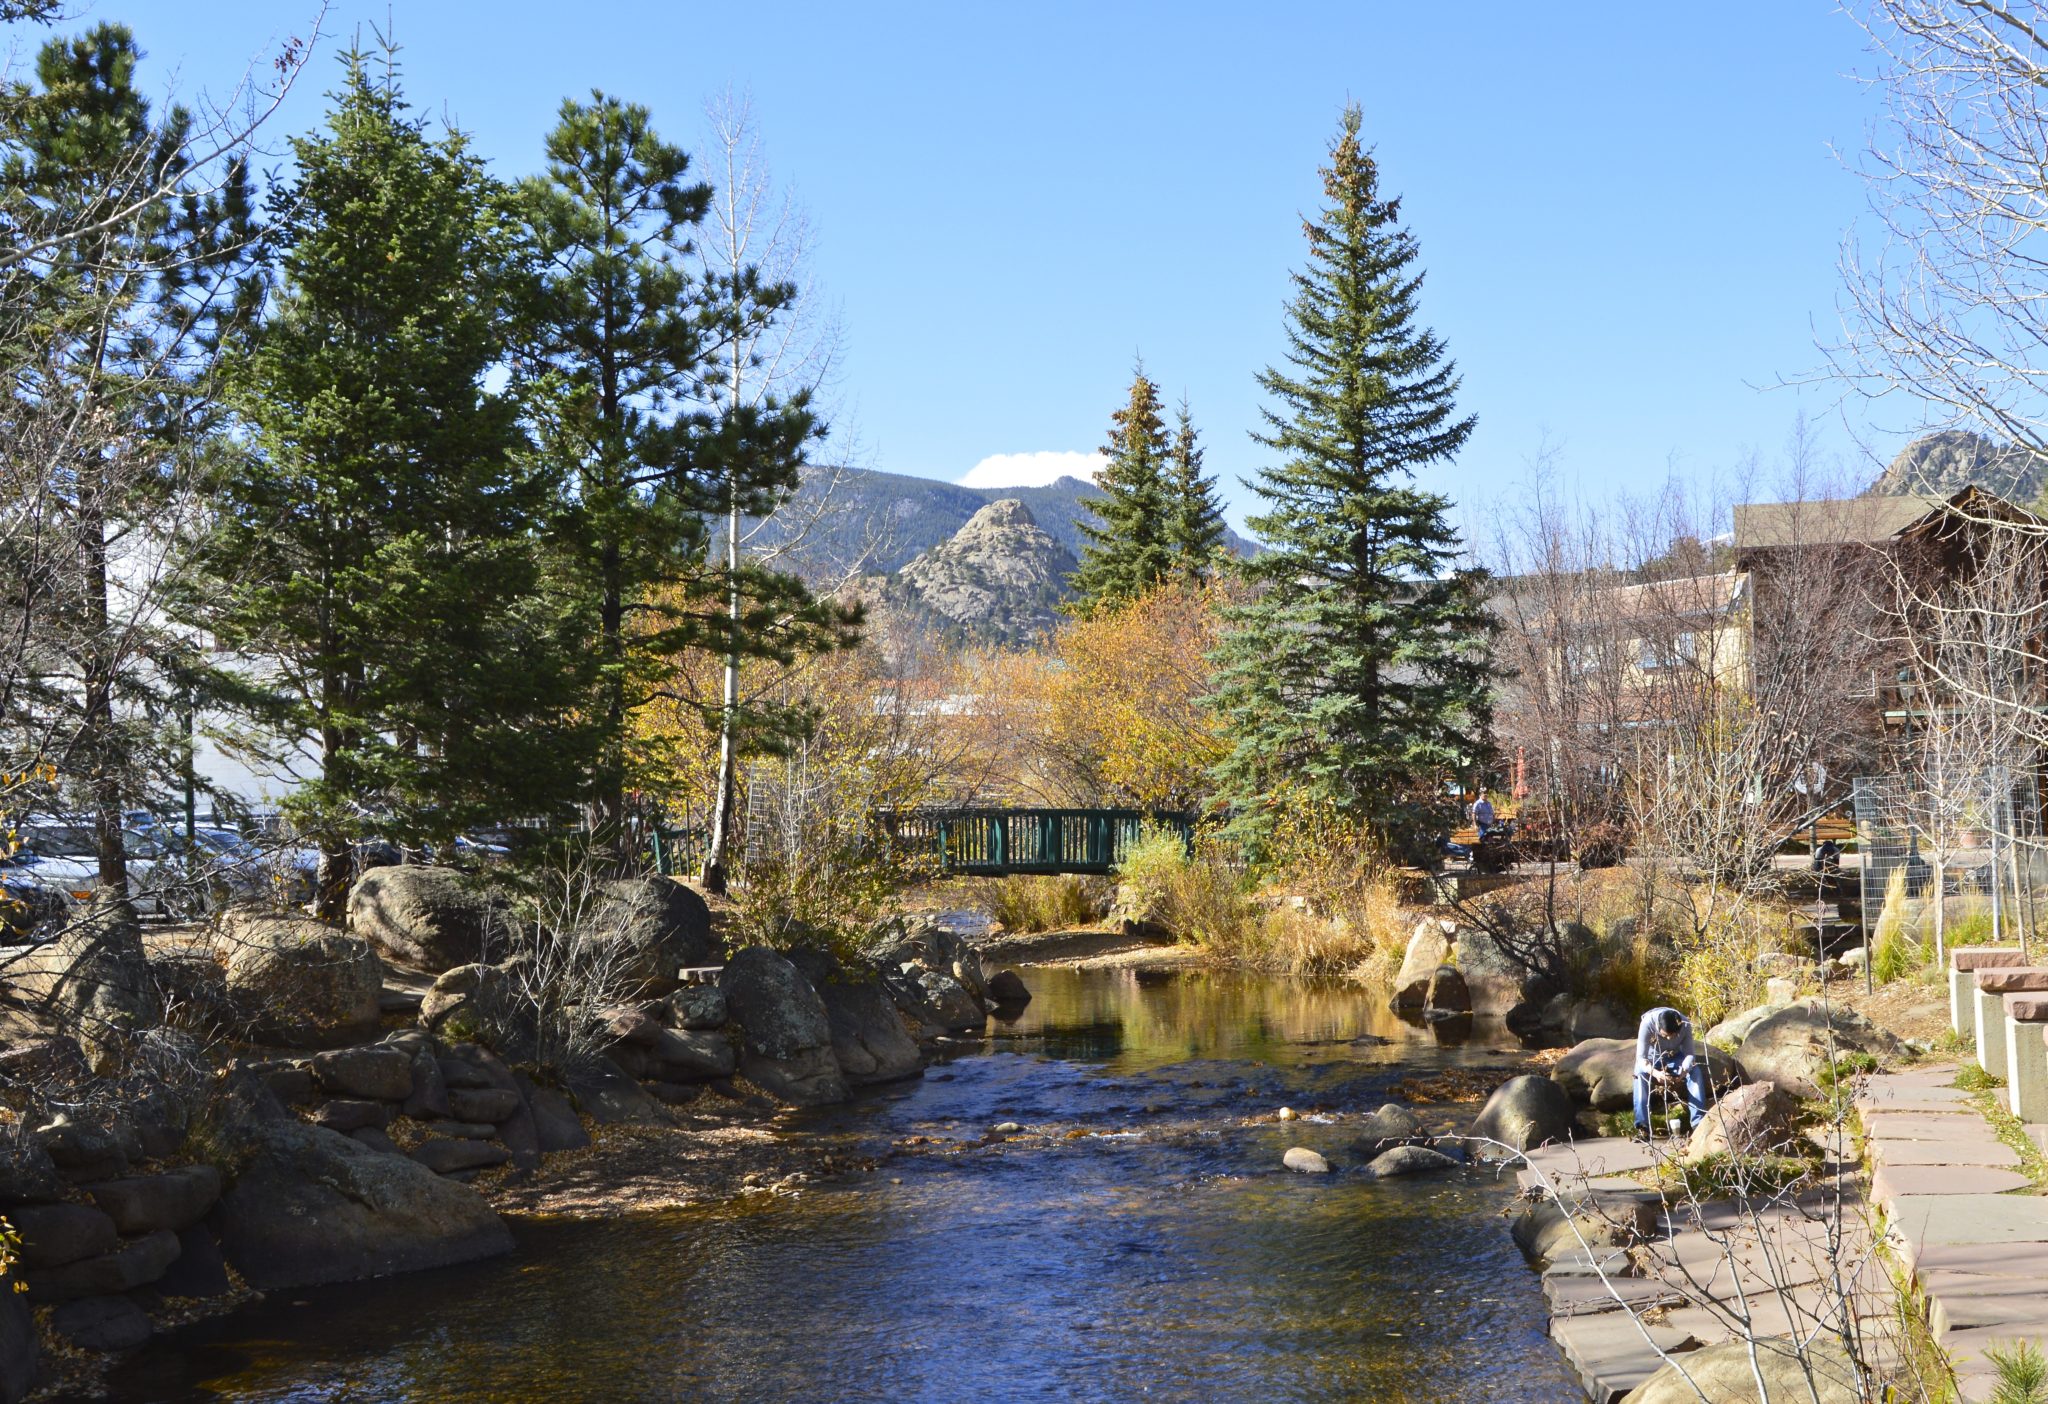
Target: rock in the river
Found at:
x=1392, y=1125
x=868, y=1037
x=101, y=1323
x=1448, y=992
x=1791, y=1046
x=1727, y=1374
x=934, y=974
x=1525, y=1112
x=1409, y=1160
x=1304, y=1161
x=310, y=1205
x=1429, y=946
x=1754, y=1120
x=1494, y=982
x=300, y=982
x=55, y=1234
x=174, y=1199
x=93, y=980
x=384, y=1074
x=430, y=919
x=1546, y=1230
x=786, y=1046
x=1007, y=987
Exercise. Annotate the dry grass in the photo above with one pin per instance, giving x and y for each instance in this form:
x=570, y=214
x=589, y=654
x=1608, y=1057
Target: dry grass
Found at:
x=1029, y=903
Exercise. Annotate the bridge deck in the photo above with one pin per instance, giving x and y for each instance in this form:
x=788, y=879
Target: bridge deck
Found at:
x=1000, y=842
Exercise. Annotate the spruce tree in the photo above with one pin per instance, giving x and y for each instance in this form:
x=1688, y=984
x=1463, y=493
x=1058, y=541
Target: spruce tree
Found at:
x=1357, y=672
x=1195, y=530
x=375, y=548
x=1129, y=548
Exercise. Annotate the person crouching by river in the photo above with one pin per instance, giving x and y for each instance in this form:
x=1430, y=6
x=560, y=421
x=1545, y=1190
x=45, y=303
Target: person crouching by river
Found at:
x=1665, y=1057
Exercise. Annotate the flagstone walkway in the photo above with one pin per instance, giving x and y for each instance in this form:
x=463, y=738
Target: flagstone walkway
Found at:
x=1961, y=1218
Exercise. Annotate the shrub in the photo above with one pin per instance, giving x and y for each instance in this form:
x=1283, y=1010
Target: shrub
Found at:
x=1633, y=974
x=2022, y=1373
x=1892, y=949
x=1035, y=902
x=1150, y=864
x=1715, y=973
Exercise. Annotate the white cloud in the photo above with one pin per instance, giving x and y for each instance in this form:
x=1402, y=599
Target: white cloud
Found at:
x=1001, y=470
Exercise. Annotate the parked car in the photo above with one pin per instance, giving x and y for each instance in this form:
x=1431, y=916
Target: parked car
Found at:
x=60, y=857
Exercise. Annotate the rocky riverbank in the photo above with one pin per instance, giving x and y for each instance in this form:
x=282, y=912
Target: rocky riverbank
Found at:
x=266, y=1102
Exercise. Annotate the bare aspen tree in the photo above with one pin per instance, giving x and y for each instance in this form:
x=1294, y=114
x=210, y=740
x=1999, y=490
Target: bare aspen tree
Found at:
x=771, y=346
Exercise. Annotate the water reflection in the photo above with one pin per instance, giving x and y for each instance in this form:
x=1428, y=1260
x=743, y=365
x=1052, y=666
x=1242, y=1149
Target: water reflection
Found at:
x=1146, y=1246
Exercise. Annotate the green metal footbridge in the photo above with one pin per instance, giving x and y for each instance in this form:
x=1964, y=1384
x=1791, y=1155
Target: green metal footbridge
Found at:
x=999, y=842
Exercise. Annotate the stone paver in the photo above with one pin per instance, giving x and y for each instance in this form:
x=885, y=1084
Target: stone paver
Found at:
x=1959, y=1125
x=1942, y=1153
x=1927, y=1220
x=1911, y=1098
x=1611, y=1352
x=1889, y=1182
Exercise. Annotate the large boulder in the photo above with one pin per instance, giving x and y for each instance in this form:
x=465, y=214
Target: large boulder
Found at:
x=55, y=1234
x=1448, y=992
x=93, y=981
x=1792, y=1046
x=1589, y=1018
x=299, y=982
x=1525, y=1112
x=383, y=1074
x=309, y=1205
x=868, y=1038
x=1730, y=1032
x=786, y=1034
x=431, y=919
x=1727, y=1374
x=1600, y=1072
x=1429, y=946
x=136, y=1262
x=935, y=946
x=174, y=1199
x=1552, y=1229
x=1758, y=1119
x=27, y=1173
x=660, y=927
x=1494, y=981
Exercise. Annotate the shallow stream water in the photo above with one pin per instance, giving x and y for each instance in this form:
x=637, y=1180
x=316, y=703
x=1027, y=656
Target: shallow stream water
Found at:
x=1147, y=1245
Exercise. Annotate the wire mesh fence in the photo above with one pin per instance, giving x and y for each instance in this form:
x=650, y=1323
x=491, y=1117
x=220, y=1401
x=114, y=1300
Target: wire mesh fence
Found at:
x=1974, y=835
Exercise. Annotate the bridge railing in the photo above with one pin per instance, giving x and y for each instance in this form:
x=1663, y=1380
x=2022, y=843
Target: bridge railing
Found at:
x=996, y=842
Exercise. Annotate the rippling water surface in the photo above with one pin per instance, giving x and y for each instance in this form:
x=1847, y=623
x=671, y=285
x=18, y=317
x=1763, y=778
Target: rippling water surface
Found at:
x=1148, y=1247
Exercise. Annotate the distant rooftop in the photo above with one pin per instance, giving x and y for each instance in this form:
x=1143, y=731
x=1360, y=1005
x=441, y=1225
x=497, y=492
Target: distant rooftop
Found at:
x=1760, y=525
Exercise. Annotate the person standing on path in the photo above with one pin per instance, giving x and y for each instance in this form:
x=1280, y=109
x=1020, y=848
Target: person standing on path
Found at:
x=1482, y=814
x=1665, y=1056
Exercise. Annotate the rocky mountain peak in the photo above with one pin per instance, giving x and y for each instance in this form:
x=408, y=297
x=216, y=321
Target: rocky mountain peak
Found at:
x=1000, y=578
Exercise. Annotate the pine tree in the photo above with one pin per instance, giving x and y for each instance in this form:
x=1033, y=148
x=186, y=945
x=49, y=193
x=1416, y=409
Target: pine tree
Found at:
x=376, y=546
x=1131, y=549
x=658, y=437
x=1195, y=531
x=129, y=265
x=1357, y=671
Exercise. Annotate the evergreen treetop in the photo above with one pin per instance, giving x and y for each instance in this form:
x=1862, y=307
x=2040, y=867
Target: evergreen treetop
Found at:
x=1357, y=671
x=1129, y=547
x=1195, y=526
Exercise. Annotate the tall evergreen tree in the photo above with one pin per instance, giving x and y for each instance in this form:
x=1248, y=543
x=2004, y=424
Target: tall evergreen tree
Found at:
x=1195, y=526
x=658, y=436
x=128, y=267
x=376, y=547
x=1129, y=547
x=1357, y=671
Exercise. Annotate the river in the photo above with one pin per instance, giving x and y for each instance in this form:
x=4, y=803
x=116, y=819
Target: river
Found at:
x=1140, y=1242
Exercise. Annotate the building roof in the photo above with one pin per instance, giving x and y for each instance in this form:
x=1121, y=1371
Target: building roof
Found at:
x=1761, y=525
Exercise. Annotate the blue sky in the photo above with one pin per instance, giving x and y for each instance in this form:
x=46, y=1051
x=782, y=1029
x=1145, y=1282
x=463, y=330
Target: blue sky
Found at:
x=1629, y=214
